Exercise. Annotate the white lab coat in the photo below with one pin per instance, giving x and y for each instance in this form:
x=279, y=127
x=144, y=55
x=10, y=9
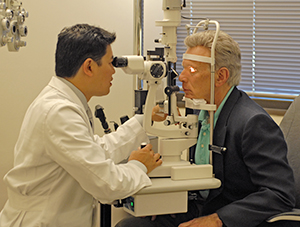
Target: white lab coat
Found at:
x=60, y=167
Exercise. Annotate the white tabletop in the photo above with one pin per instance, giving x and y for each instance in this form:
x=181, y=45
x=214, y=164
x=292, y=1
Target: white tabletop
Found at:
x=160, y=185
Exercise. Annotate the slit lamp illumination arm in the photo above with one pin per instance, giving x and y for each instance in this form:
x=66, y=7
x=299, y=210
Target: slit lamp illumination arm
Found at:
x=153, y=72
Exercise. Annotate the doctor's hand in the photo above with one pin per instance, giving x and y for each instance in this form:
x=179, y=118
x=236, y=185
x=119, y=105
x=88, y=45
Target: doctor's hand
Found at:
x=212, y=220
x=159, y=115
x=146, y=156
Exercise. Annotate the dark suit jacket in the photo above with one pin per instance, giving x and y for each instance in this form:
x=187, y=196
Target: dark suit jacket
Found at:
x=257, y=181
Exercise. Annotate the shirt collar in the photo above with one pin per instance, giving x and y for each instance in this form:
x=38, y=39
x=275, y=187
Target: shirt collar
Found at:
x=204, y=115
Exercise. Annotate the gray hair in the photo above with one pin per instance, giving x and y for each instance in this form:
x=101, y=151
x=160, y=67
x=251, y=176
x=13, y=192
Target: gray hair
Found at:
x=227, y=52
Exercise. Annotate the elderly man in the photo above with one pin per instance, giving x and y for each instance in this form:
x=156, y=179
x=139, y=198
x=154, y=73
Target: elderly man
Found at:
x=257, y=181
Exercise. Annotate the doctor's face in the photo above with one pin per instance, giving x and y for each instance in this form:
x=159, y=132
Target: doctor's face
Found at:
x=195, y=76
x=104, y=73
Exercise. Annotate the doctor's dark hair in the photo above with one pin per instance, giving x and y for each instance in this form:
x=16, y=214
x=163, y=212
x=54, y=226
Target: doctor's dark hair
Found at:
x=77, y=43
x=227, y=52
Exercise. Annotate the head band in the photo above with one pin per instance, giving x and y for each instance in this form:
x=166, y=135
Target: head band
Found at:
x=195, y=57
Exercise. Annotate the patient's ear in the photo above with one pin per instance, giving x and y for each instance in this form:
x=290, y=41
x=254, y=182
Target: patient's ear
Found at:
x=222, y=76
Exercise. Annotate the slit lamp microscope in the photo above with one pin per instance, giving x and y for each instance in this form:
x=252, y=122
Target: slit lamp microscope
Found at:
x=175, y=177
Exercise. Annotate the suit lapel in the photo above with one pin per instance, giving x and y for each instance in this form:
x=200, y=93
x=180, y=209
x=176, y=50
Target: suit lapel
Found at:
x=219, y=137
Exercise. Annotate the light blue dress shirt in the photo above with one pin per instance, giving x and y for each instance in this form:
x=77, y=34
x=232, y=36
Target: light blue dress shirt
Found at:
x=202, y=151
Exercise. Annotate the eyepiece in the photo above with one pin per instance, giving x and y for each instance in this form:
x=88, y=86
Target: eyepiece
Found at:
x=120, y=62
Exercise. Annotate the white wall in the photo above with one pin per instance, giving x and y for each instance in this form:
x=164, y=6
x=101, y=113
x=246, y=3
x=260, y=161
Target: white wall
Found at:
x=23, y=74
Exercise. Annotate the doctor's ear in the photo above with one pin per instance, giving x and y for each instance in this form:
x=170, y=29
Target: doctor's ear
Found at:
x=222, y=76
x=87, y=66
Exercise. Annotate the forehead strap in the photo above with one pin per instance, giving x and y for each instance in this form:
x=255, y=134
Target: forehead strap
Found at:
x=195, y=57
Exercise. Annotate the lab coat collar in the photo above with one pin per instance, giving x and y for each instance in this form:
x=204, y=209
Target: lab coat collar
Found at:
x=79, y=94
x=56, y=83
x=63, y=88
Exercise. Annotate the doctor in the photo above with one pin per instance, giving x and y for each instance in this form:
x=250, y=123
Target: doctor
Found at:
x=61, y=168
